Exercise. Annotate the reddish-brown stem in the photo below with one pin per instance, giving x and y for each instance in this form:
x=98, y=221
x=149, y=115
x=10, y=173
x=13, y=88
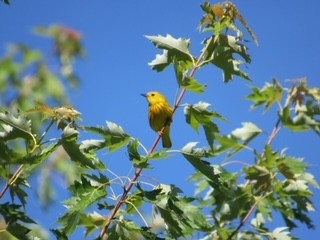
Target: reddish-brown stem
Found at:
x=11, y=180
x=139, y=170
x=272, y=136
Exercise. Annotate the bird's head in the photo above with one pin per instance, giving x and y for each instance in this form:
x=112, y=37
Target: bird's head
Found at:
x=154, y=97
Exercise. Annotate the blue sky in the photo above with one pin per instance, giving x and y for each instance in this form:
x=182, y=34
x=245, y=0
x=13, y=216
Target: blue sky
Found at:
x=115, y=70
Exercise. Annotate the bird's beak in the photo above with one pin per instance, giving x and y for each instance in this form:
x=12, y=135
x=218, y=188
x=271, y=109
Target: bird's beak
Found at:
x=143, y=94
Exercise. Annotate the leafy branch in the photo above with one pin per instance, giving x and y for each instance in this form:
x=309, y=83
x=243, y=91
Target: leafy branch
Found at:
x=275, y=182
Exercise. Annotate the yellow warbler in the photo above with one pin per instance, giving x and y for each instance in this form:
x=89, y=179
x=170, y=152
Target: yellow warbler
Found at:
x=160, y=114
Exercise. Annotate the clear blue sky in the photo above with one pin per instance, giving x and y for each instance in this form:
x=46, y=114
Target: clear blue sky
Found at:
x=115, y=71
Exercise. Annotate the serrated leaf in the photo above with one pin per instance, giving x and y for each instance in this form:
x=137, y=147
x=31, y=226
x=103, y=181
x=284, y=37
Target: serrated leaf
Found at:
x=242, y=136
x=199, y=114
x=80, y=153
x=300, y=122
x=70, y=221
x=59, y=234
x=281, y=233
x=114, y=136
x=160, y=62
x=16, y=220
x=135, y=157
x=220, y=50
x=194, y=155
x=16, y=127
x=33, y=161
x=85, y=193
x=261, y=177
x=185, y=81
x=174, y=50
x=91, y=222
x=291, y=167
x=178, y=46
x=181, y=217
x=16, y=190
x=247, y=132
x=267, y=96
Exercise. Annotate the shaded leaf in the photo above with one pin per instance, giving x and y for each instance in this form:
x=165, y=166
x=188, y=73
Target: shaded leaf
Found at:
x=16, y=220
x=80, y=153
x=185, y=81
x=134, y=155
x=199, y=114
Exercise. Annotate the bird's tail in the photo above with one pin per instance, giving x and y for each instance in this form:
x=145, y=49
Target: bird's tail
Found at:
x=166, y=141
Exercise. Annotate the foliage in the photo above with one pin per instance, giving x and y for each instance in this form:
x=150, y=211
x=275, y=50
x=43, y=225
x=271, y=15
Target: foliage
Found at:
x=276, y=183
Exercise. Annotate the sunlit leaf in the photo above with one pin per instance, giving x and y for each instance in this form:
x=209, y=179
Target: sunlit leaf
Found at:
x=114, y=136
x=222, y=51
x=281, y=233
x=91, y=222
x=16, y=127
x=174, y=50
x=247, y=132
x=267, y=96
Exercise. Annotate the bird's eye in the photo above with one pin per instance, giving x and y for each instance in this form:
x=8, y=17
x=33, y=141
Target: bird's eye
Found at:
x=152, y=94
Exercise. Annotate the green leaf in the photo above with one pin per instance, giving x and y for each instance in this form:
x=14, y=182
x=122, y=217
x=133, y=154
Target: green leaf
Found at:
x=86, y=193
x=70, y=221
x=267, y=96
x=16, y=127
x=199, y=114
x=59, y=234
x=281, y=233
x=127, y=230
x=16, y=220
x=114, y=136
x=291, y=167
x=247, y=132
x=220, y=50
x=179, y=214
x=184, y=81
x=134, y=155
x=33, y=161
x=239, y=138
x=160, y=62
x=194, y=155
x=80, y=153
x=16, y=189
x=91, y=222
x=301, y=122
x=174, y=50
x=260, y=176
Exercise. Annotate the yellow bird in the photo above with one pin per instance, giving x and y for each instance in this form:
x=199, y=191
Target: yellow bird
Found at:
x=160, y=114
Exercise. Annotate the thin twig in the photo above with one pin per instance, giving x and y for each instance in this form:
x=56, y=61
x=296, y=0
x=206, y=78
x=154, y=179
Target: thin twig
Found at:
x=245, y=219
x=139, y=170
x=12, y=180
